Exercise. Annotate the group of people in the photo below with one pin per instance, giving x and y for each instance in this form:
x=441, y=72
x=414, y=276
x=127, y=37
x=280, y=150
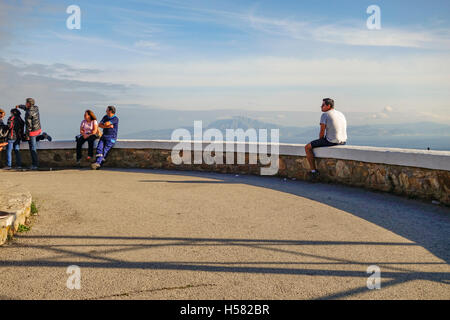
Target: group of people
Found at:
x=16, y=130
x=333, y=131
x=89, y=132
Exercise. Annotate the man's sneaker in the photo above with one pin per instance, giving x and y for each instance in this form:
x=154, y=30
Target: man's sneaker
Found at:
x=46, y=136
x=7, y=168
x=314, y=175
x=95, y=166
x=34, y=168
x=78, y=164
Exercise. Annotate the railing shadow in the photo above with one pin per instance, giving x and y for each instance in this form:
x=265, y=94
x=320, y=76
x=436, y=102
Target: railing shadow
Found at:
x=66, y=254
x=425, y=224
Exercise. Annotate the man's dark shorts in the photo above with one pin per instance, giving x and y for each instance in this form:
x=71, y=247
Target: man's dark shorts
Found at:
x=323, y=143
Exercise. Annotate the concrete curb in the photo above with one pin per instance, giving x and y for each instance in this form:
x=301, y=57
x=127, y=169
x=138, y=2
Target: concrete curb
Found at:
x=15, y=208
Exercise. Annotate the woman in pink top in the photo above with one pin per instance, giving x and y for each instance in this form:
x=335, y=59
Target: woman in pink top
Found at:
x=88, y=132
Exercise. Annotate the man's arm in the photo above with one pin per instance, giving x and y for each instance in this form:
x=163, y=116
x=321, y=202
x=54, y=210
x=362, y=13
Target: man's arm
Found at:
x=104, y=126
x=322, y=130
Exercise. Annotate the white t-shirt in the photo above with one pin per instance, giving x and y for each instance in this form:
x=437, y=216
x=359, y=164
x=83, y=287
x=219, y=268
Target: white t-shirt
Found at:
x=336, y=130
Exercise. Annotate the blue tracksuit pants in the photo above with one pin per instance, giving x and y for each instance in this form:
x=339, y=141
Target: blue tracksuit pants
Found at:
x=104, y=145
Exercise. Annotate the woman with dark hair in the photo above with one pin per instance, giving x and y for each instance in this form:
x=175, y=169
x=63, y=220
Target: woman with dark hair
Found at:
x=88, y=132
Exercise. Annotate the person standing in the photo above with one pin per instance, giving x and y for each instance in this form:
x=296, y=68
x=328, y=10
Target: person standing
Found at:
x=15, y=134
x=89, y=133
x=333, y=132
x=110, y=126
x=33, y=129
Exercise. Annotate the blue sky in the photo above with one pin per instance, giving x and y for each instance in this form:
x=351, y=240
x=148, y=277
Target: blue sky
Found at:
x=255, y=55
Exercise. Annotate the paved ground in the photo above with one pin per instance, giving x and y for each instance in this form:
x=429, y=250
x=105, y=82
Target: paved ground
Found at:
x=148, y=234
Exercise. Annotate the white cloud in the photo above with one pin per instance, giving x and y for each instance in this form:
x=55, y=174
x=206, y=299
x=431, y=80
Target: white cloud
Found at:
x=146, y=44
x=353, y=33
x=388, y=109
x=97, y=43
x=276, y=72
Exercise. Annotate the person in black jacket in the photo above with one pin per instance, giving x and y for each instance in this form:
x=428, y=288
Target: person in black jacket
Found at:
x=32, y=128
x=15, y=135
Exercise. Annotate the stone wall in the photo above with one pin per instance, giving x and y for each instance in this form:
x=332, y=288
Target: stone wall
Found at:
x=15, y=208
x=413, y=173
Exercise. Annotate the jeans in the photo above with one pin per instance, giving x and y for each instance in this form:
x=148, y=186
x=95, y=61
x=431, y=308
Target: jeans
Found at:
x=13, y=144
x=104, y=146
x=81, y=141
x=33, y=151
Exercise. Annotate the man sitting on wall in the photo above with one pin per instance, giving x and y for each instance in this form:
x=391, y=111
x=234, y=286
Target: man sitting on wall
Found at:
x=333, y=131
x=110, y=126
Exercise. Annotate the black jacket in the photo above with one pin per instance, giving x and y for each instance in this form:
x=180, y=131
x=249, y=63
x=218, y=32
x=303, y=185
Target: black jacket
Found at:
x=16, y=127
x=32, y=120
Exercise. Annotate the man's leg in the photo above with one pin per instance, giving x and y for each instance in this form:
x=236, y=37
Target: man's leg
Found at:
x=9, y=153
x=322, y=142
x=107, y=146
x=100, y=146
x=33, y=151
x=17, y=153
x=310, y=156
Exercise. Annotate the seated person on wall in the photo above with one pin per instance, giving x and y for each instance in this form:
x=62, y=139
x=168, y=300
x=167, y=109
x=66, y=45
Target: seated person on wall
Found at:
x=333, y=131
x=88, y=132
x=110, y=126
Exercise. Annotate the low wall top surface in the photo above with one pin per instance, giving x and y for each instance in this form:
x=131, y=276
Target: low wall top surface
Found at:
x=438, y=160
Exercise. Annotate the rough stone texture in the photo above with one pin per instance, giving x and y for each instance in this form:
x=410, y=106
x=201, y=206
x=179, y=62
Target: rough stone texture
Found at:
x=409, y=181
x=15, y=208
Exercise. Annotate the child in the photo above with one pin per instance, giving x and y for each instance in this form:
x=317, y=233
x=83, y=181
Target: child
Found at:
x=15, y=135
x=3, y=131
x=110, y=126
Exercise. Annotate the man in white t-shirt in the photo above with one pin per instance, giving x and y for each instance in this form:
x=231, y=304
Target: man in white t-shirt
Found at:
x=333, y=131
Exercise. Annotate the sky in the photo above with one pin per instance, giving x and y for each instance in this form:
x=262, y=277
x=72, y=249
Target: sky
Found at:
x=263, y=55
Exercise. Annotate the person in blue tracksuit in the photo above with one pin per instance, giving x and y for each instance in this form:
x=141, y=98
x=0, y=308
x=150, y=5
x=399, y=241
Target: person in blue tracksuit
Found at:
x=110, y=126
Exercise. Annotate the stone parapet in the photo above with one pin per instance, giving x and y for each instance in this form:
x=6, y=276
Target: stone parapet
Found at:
x=413, y=173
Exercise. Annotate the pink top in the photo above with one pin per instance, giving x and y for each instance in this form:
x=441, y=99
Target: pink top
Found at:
x=88, y=127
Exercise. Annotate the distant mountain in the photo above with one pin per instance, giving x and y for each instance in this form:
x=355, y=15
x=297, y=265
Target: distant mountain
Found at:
x=411, y=135
x=242, y=123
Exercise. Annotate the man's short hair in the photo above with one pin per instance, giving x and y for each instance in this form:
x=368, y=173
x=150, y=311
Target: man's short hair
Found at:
x=112, y=109
x=329, y=102
x=30, y=100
